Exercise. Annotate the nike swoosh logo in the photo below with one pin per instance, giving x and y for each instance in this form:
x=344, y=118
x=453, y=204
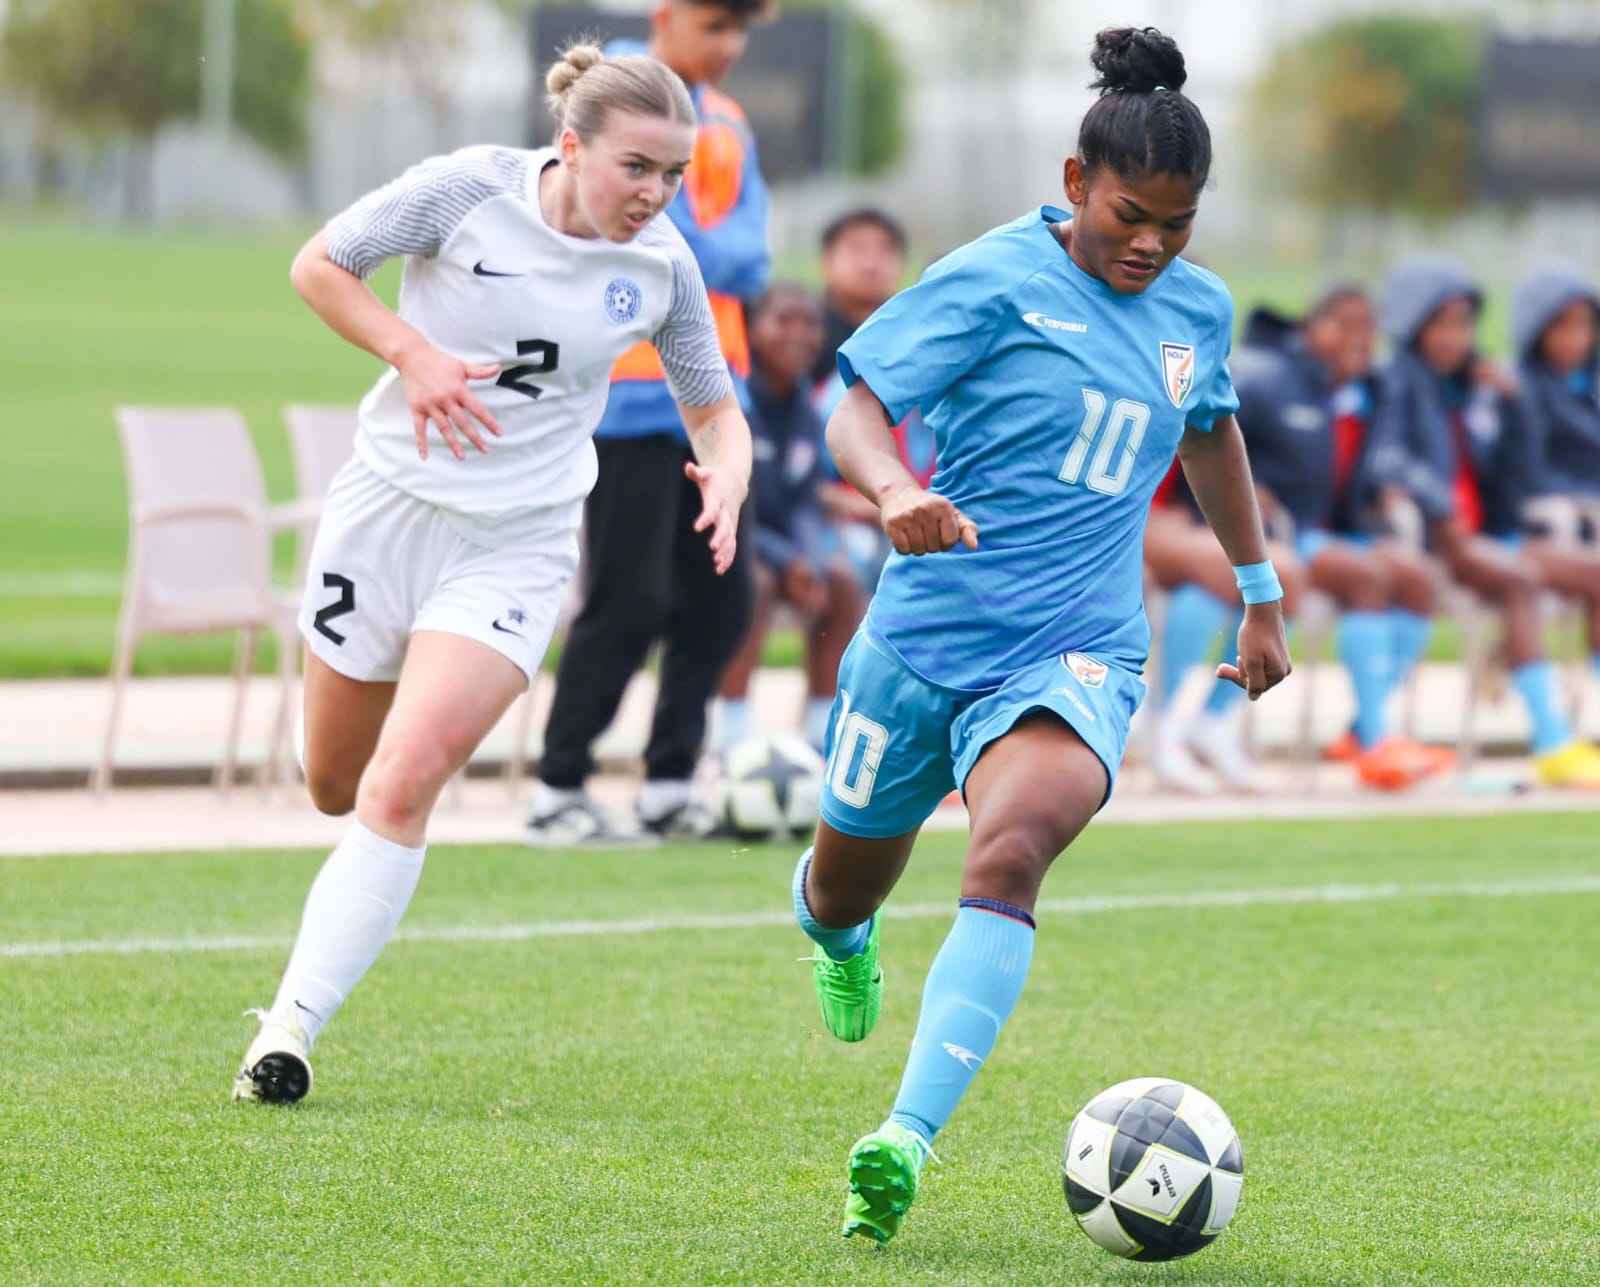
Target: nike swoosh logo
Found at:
x=507, y=629
x=489, y=272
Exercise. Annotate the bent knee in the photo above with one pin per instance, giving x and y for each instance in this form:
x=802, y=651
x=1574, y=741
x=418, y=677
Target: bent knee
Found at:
x=331, y=794
x=1010, y=862
x=401, y=785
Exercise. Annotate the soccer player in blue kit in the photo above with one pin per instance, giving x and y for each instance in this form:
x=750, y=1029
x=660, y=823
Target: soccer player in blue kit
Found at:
x=1060, y=360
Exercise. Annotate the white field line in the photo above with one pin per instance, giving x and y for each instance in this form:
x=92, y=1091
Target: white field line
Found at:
x=1087, y=905
x=60, y=585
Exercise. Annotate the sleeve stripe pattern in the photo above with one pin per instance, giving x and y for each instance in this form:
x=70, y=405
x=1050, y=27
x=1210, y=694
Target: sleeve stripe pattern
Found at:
x=687, y=340
x=417, y=213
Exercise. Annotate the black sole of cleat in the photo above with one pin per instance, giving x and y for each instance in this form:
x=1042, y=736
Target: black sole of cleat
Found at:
x=281, y=1079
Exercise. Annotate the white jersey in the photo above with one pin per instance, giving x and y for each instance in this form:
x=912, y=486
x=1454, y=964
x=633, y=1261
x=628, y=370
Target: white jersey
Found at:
x=487, y=280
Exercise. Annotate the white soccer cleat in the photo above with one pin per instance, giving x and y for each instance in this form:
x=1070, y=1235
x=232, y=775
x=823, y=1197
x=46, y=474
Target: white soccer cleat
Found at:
x=1176, y=769
x=577, y=822
x=1216, y=742
x=277, y=1067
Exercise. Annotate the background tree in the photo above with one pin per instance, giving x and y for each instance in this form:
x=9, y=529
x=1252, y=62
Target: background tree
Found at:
x=126, y=68
x=1375, y=113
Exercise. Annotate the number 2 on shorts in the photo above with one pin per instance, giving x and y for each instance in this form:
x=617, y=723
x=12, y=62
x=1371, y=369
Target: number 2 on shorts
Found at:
x=346, y=602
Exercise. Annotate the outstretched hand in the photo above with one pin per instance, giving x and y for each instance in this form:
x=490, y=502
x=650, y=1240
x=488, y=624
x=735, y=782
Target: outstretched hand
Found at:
x=436, y=390
x=1263, y=659
x=720, y=500
x=922, y=522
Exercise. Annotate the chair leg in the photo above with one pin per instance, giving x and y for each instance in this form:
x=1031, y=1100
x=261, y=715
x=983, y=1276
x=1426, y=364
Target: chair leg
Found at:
x=275, y=770
x=121, y=668
x=1306, y=751
x=1474, y=661
x=246, y=660
x=517, y=756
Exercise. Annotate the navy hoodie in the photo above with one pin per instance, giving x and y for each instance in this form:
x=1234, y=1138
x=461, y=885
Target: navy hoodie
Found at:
x=786, y=469
x=1424, y=420
x=1562, y=412
x=1288, y=413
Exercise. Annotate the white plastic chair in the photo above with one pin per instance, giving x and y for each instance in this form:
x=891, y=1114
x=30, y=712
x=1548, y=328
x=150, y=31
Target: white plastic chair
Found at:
x=200, y=555
x=321, y=440
x=1572, y=521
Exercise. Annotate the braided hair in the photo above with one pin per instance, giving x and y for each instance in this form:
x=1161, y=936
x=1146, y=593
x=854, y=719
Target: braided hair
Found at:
x=1142, y=124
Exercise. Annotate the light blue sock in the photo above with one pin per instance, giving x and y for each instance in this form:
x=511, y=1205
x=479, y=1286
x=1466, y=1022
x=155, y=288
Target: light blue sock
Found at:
x=840, y=944
x=816, y=722
x=1193, y=618
x=1410, y=632
x=1366, y=640
x=733, y=722
x=1535, y=682
x=972, y=987
x=1596, y=660
x=1225, y=694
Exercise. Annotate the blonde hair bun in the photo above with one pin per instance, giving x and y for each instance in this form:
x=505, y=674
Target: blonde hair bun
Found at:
x=564, y=74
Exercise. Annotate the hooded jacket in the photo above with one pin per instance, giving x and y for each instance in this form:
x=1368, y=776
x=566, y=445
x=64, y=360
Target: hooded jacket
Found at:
x=1423, y=419
x=1287, y=412
x=1562, y=412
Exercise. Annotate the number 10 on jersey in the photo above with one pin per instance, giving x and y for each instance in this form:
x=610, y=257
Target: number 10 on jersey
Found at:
x=1124, y=427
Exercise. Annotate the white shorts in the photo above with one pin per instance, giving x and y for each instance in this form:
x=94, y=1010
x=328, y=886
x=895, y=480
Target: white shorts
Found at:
x=386, y=565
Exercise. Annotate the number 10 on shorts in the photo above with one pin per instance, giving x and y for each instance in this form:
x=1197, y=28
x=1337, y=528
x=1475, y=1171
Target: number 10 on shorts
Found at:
x=857, y=752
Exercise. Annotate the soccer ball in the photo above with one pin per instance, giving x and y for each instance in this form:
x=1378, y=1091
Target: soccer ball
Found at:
x=1152, y=1169
x=771, y=786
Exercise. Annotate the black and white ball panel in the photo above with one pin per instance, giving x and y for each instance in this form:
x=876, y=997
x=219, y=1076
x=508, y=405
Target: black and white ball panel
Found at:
x=1152, y=1169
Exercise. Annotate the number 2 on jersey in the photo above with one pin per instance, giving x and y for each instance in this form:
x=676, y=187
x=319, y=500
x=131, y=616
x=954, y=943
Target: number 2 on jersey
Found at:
x=1126, y=416
x=516, y=377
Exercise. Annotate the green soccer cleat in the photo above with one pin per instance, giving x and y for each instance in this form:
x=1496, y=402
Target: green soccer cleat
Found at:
x=884, y=1169
x=850, y=992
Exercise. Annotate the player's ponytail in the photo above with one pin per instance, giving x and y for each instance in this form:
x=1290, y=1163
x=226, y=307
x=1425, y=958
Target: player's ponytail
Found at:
x=1142, y=124
x=584, y=87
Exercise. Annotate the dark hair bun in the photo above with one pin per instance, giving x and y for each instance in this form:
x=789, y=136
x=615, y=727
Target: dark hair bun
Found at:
x=1135, y=60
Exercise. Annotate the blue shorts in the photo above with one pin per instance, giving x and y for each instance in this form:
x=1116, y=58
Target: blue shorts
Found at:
x=898, y=744
x=1313, y=540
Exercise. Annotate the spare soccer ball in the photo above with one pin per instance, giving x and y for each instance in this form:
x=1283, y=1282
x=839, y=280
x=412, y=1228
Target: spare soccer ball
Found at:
x=1152, y=1169
x=771, y=787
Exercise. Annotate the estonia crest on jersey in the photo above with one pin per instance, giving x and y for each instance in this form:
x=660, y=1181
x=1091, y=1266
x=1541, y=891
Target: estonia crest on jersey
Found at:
x=1177, y=370
x=623, y=298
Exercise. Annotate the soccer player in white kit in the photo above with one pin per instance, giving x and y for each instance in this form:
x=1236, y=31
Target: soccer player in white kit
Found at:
x=434, y=583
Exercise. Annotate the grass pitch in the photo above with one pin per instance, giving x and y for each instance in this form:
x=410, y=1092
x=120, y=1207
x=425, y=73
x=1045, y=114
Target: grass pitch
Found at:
x=562, y=1077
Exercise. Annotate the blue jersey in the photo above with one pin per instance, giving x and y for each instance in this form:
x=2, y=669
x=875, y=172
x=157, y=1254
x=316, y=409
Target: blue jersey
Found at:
x=1056, y=406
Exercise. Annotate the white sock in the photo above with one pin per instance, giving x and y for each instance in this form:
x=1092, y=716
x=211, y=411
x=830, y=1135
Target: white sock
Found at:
x=732, y=721
x=659, y=797
x=355, y=902
x=816, y=728
x=1172, y=729
x=547, y=799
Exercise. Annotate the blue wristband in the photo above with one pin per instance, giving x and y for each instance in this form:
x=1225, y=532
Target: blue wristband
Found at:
x=1258, y=582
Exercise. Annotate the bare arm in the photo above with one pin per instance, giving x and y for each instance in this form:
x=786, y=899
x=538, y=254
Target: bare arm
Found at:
x=435, y=383
x=861, y=438
x=1218, y=473
x=720, y=436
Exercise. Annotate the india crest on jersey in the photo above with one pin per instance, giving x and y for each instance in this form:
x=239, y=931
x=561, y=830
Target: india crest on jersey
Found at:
x=1177, y=370
x=1085, y=669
